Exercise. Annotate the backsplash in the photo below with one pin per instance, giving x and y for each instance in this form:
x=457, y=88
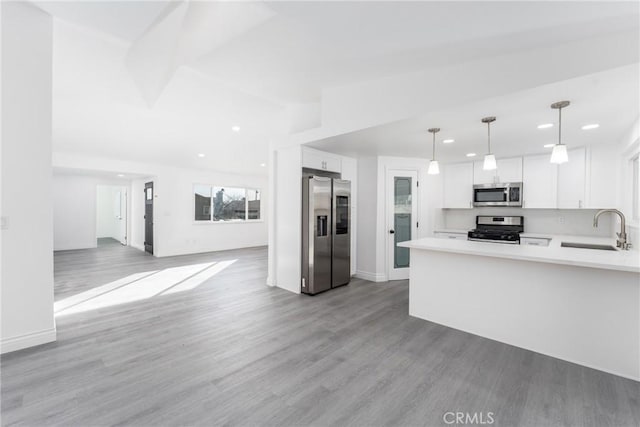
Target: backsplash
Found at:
x=544, y=221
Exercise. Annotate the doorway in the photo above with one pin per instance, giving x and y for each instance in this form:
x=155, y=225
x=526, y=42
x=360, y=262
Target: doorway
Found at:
x=148, y=217
x=402, y=220
x=111, y=214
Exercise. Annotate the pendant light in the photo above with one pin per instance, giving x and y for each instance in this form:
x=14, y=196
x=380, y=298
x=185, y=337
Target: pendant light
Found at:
x=489, y=158
x=434, y=168
x=559, y=153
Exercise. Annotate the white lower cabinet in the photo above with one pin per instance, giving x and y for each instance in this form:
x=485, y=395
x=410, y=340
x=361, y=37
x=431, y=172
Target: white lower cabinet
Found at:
x=534, y=241
x=458, y=186
x=450, y=235
x=539, y=182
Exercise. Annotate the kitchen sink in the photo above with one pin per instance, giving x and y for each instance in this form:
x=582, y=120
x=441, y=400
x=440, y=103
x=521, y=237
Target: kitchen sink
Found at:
x=588, y=246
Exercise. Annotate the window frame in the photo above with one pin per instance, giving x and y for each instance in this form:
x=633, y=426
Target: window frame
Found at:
x=211, y=210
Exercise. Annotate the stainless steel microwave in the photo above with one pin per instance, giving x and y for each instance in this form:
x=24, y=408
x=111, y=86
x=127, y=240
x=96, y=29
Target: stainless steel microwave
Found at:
x=502, y=194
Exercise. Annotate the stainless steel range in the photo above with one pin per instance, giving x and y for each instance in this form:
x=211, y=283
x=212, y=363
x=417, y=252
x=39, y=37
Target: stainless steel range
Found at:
x=498, y=229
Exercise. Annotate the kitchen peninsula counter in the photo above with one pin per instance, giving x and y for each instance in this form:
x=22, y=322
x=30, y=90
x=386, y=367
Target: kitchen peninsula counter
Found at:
x=579, y=305
x=554, y=253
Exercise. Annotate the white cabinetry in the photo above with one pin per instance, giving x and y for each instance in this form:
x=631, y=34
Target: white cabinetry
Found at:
x=319, y=160
x=481, y=176
x=458, y=185
x=603, y=165
x=450, y=235
x=508, y=170
x=534, y=241
x=572, y=180
x=540, y=182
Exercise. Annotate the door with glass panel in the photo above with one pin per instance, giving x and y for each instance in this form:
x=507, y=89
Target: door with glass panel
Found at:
x=402, y=219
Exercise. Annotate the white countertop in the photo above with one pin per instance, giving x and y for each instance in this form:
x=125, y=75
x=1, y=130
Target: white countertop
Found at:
x=554, y=253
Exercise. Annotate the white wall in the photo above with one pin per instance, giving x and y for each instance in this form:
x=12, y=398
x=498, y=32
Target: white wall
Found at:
x=545, y=221
x=27, y=237
x=287, y=236
x=367, y=228
x=74, y=212
x=175, y=231
x=629, y=147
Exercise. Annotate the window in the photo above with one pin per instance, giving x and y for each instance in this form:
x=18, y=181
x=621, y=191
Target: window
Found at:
x=635, y=167
x=219, y=204
x=203, y=202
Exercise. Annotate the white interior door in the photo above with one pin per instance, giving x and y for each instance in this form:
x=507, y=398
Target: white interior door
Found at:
x=402, y=220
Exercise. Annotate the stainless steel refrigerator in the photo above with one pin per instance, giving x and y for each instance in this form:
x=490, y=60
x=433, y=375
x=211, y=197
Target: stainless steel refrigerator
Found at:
x=326, y=233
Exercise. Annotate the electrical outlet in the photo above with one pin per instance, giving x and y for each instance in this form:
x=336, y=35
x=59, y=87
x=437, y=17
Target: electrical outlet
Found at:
x=4, y=222
x=560, y=220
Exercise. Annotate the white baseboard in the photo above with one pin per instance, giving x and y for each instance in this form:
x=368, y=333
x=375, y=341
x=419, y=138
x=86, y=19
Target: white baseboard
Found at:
x=27, y=340
x=372, y=277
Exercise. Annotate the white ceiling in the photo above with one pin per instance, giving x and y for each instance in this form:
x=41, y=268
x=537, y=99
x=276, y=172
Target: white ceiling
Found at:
x=250, y=77
x=126, y=20
x=311, y=45
x=610, y=99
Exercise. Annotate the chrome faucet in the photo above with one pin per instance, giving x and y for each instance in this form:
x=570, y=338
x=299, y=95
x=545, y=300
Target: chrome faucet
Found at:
x=622, y=235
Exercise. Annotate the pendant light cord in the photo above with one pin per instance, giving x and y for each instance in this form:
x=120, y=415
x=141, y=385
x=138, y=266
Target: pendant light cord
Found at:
x=433, y=156
x=559, y=126
x=489, y=136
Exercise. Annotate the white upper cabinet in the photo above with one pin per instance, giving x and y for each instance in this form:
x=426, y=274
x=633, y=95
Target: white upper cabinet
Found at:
x=508, y=170
x=572, y=180
x=458, y=185
x=539, y=182
x=315, y=159
x=481, y=176
x=603, y=165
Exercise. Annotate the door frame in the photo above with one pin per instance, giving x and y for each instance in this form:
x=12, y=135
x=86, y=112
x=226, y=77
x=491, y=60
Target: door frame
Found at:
x=392, y=272
x=149, y=248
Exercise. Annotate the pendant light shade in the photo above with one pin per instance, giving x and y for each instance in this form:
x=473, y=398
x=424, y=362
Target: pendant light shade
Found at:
x=489, y=162
x=559, y=153
x=434, y=167
x=489, y=158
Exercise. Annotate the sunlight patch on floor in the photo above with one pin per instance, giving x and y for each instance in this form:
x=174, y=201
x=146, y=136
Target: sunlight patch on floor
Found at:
x=141, y=286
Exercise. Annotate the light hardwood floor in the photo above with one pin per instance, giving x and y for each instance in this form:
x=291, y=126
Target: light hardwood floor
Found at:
x=233, y=351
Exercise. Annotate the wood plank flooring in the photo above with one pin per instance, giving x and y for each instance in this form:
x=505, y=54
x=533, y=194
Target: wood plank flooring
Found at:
x=232, y=351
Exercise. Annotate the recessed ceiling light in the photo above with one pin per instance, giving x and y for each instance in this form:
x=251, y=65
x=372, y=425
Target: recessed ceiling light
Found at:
x=201, y=155
x=120, y=175
x=235, y=128
x=592, y=126
x=263, y=164
x=548, y=145
x=448, y=141
x=471, y=154
x=545, y=126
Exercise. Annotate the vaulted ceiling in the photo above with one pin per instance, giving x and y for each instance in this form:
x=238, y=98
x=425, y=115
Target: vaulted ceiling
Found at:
x=164, y=81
